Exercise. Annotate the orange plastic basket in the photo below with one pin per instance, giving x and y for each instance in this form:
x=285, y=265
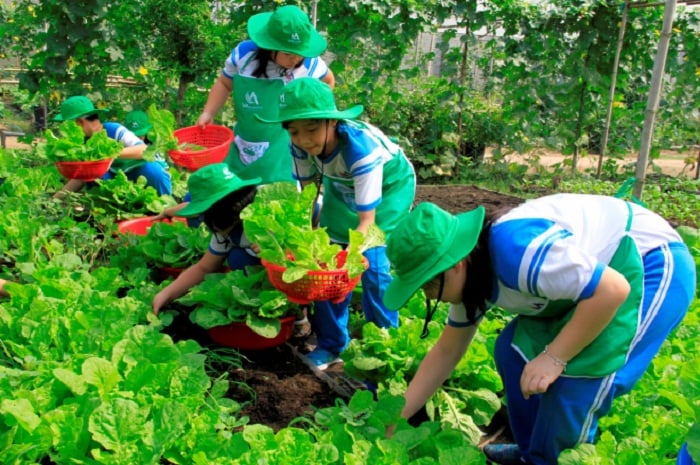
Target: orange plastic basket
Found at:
x=84, y=170
x=333, y=285
x=216, y=139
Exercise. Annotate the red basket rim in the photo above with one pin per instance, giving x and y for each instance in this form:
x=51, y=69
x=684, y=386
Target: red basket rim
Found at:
x=316, y=285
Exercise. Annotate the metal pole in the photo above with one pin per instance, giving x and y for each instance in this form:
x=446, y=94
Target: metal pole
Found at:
x=613, y=79
x=654, y=97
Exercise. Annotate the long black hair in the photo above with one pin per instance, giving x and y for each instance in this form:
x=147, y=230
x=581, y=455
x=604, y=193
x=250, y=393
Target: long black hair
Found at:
x=264, y=56
x=226, y=212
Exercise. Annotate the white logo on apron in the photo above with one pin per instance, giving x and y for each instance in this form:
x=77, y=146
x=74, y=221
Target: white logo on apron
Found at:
x=251, y=100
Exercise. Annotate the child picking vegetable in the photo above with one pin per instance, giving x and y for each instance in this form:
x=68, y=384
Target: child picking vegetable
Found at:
x=596, y=285
x=81, y=110
x=219, y=196
x=366, y=180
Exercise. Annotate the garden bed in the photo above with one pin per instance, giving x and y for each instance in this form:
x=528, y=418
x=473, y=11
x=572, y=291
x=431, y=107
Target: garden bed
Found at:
x=284, y=388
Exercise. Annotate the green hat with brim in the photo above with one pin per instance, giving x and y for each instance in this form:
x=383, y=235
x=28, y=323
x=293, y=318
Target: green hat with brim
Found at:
x=77, y=107
x=425, y=243
x=289, y=30
x=137, y=122
x=309, y=98
x=210, y=184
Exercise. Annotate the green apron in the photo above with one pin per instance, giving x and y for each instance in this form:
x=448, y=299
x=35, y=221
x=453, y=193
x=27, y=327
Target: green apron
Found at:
x=398, y=191
x=264, y=149
x=608, y=352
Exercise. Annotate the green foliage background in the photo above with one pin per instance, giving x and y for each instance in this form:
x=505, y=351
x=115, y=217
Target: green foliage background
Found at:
x=545, y=67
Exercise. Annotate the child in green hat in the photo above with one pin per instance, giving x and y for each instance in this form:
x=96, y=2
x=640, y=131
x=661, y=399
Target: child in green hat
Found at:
x=218, y=195
x=283, y=46
x=83, y=112
x=596, y=285
x=366, y=179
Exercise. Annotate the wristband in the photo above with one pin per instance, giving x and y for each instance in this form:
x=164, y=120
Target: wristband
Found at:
x=557, y=361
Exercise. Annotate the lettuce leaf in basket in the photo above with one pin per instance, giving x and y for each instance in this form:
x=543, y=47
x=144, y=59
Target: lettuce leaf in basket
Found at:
x=279, y=222
x=70, y=144
x=278, y=211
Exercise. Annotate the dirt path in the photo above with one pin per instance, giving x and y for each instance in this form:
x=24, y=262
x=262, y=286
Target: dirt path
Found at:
x=672, y=163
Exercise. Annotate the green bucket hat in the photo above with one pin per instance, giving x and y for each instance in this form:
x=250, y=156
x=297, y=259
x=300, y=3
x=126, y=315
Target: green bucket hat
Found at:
x=289, y=30
x=425, y=243
x=210, y=184
x=309, y=98
x=137, y=122
x=76, y=107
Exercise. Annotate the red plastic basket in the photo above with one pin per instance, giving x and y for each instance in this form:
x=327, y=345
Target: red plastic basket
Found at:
x=84, y=170
x=216, y=139
x=240, y=336
x=140, y=226
x=333, y=285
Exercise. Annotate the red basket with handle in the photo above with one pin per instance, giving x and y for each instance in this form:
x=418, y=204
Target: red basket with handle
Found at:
x=84, y=170
x=317, y=285
x=216, y=139
x=240, y=336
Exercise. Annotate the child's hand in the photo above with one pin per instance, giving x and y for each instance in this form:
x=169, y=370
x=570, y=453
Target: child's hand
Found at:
x=255, y=248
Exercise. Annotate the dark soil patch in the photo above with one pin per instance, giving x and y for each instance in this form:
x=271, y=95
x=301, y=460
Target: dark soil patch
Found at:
x=276, y=387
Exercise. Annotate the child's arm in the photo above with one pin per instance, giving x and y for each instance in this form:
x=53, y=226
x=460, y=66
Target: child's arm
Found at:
x=366, y=218
x=209, y=263
x=73, y=185
x=3, y=292
x=218, y=95
x=135, y=152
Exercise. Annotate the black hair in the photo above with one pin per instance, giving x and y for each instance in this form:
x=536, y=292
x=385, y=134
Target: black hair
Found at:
x=226, y=212
x=92, y=117
x=264, y=56
x=477, y=288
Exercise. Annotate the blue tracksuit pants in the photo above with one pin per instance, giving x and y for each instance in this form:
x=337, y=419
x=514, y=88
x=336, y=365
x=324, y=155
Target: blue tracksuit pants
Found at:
x=330, y=321
x=567, y=414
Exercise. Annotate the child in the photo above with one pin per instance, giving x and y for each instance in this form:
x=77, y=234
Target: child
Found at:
x=83, y=112
x=366, y=179
x=137, y=122
x=218, y=195
x=283, y=46
x=596, y=284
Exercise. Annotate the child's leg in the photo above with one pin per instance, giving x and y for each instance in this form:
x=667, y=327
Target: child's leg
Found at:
x=375, y=280
x=546, y=424
x=567, y=414
x=330, y=323
x=156, y=175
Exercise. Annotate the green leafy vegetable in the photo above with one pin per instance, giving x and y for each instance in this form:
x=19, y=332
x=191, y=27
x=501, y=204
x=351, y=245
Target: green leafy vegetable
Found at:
x=279, y=222
x=163, y=139
x=224, y=298
x=70, y=144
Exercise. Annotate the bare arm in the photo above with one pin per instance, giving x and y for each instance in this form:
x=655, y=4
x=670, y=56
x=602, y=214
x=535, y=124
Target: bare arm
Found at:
x=135, y=152
x=329, y=78
x=437, y=366
x=73, y=185
x=590, y=318
x=3, y=292
x=209, y=263
x=218, y=95
x=366, y=218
